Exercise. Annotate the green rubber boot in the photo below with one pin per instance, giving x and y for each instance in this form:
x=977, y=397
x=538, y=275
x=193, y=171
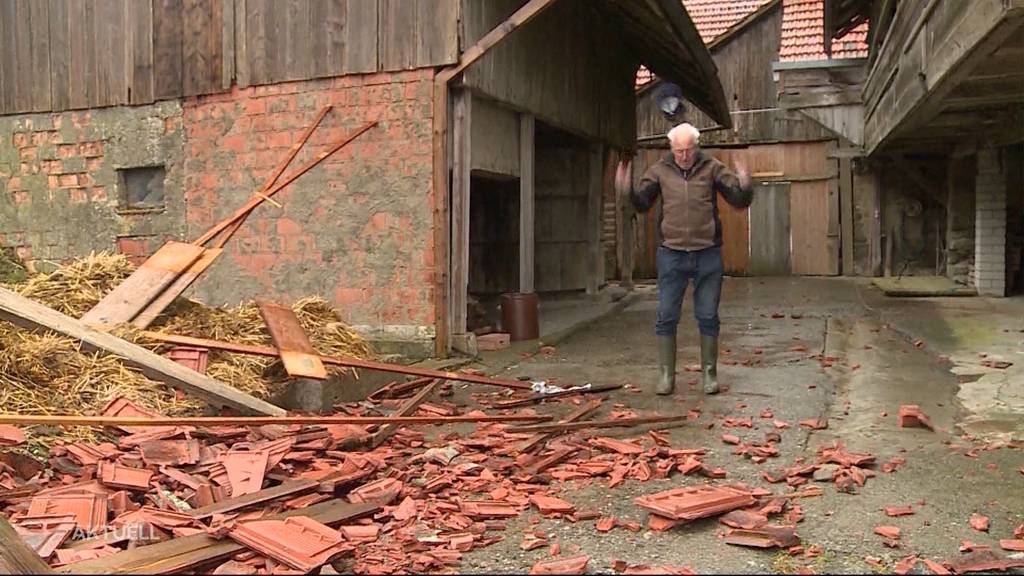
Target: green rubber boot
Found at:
x=667, y=358
x=709, y=363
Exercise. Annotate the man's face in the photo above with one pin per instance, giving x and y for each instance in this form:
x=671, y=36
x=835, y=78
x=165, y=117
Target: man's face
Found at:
x=684, y=151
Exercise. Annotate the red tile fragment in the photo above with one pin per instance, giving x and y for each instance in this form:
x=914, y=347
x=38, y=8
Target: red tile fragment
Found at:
x=10, y=435
x=571, y=565
x=982, y=561
x=118, y=476
x=1012, y=544
x=894, y=511
x=1018, y=532
x=656, y=570
x=979, y=522
x=488, y=509
x=299, y=541
x=814, y=424
x=619, y=446
x=169, y=452
x=605, y=524
x=382, y=491
x=912, y=417
x=694, y=502
x=935, y=567
x=744, y=519
x=360, y=532
x=660, y=523
x=730, y=439
x=780, y=424
x=405, y=511
x=89, y=510
x=551, y=505
x=234, y=567
x=890, y=532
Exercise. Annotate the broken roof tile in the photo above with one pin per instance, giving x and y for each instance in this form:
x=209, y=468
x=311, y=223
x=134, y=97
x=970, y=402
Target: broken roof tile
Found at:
x=912, y=417
x=118, y=476
x=767, y=536
x=11, y=435
x=979, y=522
x=619, y=446
x=890, y=532
x=170, y=452
x=551, y=505
x=382, y=491
x=744, y=519
x=570, y=565
x=245, y=470
x=694, y=502
x=299, y=541
x=89, y=510
x=894, y=511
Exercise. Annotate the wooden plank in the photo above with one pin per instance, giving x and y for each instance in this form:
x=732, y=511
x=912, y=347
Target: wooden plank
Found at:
x=594, y=212
x=227, y=39
x=8, y=70
x=168, y=27
x=808, y=223
x=770, y=230
x=167, y=296
x=16, y=557
x=110, y=46
x=31, y=315
x=39, y=54
x=576, y=415
x=136, y=292
x=202, y=26
x=359, y=37
x=300, y=41
x=266, y=495
x=613, y=423
x=846, y=215
x=296, y=351
x=461, y=197
x=180, y=554
x=832, y=229
x=59, y=55
x=80, y=60
x=350, y=362
x=408, y=408
x=527, y=205
x=140, y=20
x=140, y=421
x=241, y=44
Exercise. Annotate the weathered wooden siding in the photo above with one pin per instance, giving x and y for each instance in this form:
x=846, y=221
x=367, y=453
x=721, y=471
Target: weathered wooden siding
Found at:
x=495, y=138
x=71, y=54
x=562, y=175
x=561, y=67
x=745, y=69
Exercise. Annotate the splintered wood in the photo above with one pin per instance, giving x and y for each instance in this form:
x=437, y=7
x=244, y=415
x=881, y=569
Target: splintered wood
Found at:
x=296, y=351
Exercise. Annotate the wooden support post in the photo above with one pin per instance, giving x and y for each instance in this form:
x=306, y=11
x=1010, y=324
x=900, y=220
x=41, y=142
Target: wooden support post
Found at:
x=846, y=215
x=461, y=164
x=526, y=203
x=595, y=260
x=442, y=221
x=15, y=555
x=626, y=213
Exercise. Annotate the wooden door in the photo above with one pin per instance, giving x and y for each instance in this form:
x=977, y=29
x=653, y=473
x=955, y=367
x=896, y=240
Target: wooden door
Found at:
x=735, y=238
x=770, y=230
x=814, y=251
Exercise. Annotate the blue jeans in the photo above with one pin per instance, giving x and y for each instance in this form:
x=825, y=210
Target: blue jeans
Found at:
x=675, y=270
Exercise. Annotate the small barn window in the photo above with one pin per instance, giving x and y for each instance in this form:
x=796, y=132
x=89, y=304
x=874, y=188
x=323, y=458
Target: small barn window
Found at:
x=142, y=188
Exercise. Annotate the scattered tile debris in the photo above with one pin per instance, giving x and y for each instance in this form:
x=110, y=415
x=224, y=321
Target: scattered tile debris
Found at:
x=912, y=417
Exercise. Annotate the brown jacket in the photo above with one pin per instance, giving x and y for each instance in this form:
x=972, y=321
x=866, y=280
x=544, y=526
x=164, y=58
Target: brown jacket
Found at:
x=689, y=214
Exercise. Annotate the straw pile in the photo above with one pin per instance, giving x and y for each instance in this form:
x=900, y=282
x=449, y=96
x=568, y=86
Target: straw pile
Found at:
x=49, y=374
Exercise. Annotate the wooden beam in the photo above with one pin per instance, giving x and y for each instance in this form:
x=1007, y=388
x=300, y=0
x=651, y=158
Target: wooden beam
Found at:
x=576, y=415
x=461, y=167
x=266, y=495
x=349, y=362
x=178, y=555
x=527, y=126
x=16, y=557
x=133, y=421
x=846, y=215
x=614, y=423
x=408, y=408
x=442, y=219
x=31, y=315
x=595, y=211
x=833, y=233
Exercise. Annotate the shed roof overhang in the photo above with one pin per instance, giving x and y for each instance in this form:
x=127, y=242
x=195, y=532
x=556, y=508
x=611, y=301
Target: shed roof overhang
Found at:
x=665, y=40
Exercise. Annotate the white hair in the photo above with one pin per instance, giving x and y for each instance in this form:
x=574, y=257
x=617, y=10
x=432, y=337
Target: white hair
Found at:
x=684, y=129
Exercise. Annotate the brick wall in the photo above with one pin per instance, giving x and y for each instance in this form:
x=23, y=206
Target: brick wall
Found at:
x=357, y=229
x=59, y=183
x=990, y=224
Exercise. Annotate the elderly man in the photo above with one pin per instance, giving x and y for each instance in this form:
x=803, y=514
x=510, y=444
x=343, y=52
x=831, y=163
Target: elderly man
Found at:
x=688, y=181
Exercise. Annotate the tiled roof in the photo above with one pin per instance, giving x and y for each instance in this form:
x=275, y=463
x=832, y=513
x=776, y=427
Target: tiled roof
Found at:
x=802, y=22
x=713, y=17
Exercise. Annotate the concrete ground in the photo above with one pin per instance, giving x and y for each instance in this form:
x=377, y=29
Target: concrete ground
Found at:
x=766, y=324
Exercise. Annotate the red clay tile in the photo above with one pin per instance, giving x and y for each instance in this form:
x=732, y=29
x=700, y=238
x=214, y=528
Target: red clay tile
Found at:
x=890, y=532
x=1018, y=532
x=382, y=491
x=694, y=502
x=10, y=435
x=730, y=439
x=299, y=541
x=121, y=406
x=65, y=557
x=814, y=424
x=979, y=522
x=305, y=501
x=935, y=567
x=551, y=505
x=605, y=524
x=234, y=567
x=189, y=356
x=619, y=446
x=655, y=570
x=361, y=533
x=118, y=476
x=912, y=417
x=45, y=542
x=898, y=511
x=488, y=509
x=170, y=452
x=767, y=536
x=89, y=510
x=744, y=519
x=246, y=470
x=1012, y=544
x=147, y=514
x=571, y=565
